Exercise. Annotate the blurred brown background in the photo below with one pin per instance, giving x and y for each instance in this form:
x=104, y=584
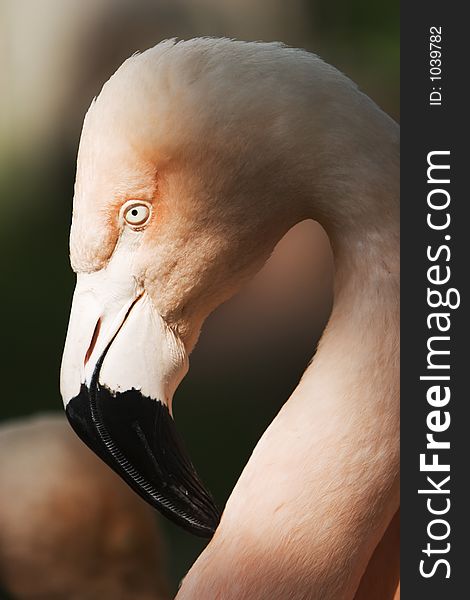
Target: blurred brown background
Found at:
x=54, y=57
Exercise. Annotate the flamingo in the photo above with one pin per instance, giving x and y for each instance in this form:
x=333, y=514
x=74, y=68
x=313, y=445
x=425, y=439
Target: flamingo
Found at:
x=69, y=527
x=194, y=160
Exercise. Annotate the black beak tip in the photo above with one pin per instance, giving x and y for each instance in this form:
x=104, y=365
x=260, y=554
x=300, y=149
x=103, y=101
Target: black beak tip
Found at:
x=136, y=436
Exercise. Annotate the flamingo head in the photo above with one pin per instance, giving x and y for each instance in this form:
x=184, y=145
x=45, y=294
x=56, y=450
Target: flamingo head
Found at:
x=181, y=194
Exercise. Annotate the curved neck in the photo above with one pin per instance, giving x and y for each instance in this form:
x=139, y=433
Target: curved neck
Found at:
x=331, y=454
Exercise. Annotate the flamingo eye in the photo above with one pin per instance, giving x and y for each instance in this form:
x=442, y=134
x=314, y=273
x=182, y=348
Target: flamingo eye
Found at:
x=137, y=214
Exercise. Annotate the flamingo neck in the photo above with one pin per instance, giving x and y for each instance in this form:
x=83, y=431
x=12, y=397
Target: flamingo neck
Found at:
x=331, y=454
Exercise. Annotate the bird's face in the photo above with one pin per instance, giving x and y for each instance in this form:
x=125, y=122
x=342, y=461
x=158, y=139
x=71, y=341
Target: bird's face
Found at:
x=177, y=202
x=145, y=265
x=155, y=251
x=121, y=365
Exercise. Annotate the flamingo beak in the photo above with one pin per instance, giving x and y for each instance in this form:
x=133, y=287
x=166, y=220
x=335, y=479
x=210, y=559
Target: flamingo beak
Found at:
x=120, y=367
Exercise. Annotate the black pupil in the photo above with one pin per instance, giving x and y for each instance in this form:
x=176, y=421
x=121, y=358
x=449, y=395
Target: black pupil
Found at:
x=134, y=212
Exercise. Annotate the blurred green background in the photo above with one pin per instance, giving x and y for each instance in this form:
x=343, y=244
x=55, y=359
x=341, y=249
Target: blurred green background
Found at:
x=54, y=57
